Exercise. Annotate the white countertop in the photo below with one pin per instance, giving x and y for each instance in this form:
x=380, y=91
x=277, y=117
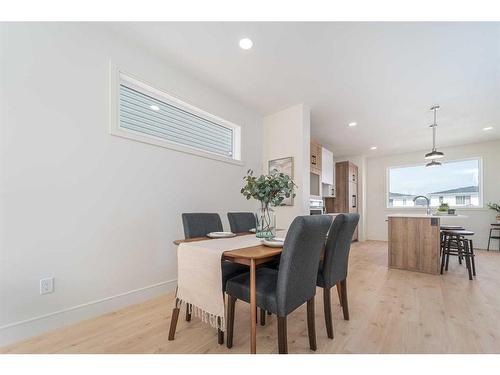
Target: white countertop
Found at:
x=428, y=216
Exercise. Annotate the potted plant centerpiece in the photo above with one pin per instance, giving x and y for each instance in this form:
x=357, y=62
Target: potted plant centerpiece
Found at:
x=495, y=207
x=270, y=190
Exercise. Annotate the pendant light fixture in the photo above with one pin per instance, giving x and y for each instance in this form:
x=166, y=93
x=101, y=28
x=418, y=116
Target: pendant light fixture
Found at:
x=434, y=154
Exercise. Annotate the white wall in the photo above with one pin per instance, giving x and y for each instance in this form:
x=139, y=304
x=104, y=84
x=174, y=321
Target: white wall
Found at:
x=478, y=220
x=95, y=211
x=287, y=133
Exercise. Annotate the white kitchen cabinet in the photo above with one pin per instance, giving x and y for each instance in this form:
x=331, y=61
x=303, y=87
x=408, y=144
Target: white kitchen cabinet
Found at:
x=326, y=166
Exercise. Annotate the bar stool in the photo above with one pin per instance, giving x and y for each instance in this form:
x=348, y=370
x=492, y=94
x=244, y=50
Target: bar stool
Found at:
x=493, y=228
x=455, y=243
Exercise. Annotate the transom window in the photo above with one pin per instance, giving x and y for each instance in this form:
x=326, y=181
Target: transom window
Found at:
x=456, y=183
x=150, y=115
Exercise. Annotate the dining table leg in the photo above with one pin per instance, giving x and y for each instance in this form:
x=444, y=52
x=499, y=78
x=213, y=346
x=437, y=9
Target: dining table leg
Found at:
x=253, y=310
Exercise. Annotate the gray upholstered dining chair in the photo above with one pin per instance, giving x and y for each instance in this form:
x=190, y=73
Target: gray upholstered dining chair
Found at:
x=283, y=290
x=241, y=221
x=333, y=268
x=199, y=225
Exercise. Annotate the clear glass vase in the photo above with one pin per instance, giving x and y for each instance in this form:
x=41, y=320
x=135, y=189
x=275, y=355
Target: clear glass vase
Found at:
x=266, y=222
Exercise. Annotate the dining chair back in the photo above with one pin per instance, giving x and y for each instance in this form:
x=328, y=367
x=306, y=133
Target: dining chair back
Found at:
x=241, y=221
x=299, y=261
x=333, y=269
x=199, y=224
x=338, y=245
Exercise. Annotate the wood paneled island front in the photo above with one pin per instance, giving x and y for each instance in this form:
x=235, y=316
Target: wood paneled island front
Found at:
x=414, y=242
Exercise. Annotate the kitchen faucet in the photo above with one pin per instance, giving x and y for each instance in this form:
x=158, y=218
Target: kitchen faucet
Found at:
x=427, y=200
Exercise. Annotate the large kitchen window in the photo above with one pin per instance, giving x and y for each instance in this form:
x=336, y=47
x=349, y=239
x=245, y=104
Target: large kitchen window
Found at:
x=457, y=183
x=149, y=115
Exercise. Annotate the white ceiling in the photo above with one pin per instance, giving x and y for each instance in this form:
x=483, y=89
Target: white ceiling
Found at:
x=384, y=76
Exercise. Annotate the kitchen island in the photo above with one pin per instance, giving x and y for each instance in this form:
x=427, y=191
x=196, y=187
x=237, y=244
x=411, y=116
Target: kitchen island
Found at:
x=414, y=242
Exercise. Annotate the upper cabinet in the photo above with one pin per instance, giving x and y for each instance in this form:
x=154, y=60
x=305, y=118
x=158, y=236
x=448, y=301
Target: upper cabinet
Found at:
x=316, y=158
x=326, y=166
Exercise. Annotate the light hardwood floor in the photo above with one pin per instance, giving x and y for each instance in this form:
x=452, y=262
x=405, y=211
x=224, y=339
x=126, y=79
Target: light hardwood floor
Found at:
x=391, y=311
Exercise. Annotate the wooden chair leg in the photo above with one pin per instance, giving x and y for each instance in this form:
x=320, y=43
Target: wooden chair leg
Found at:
x=188, y=313
x=345, y=305
x=262, y=317
x=311, y=326
x=339, y=293
x=173, y=323
x=282, y=341
x=220, y=334
x=269, y=313
x=231, y=302
x=327, y=304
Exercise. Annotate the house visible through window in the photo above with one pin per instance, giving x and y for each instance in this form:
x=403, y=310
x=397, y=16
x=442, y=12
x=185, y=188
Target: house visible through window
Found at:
x=463, y=200
x=152, y=116
x=456, y=183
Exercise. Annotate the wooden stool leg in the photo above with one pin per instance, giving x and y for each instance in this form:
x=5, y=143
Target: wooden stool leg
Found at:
x=448, y=252
x=311, y=326
x=472, y=256
x=489, y=239
x=262, y=317
x=282, y=340
x=464, y=249
x=345, y=305
x=327, y=305
x=231, y=303
x=188, y=313
x=443, y=254
x=173, y=323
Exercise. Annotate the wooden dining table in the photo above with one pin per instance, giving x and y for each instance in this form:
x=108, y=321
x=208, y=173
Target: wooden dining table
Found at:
x=250, y=256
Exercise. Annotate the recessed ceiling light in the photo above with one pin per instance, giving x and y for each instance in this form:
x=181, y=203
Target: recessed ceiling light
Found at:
x=488, y=128
x=352, y=124
x=373, y=148
x=154, y=107
x=246, y=43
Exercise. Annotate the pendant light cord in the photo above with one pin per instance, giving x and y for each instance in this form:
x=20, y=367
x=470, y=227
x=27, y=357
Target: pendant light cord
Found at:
x=434, y=126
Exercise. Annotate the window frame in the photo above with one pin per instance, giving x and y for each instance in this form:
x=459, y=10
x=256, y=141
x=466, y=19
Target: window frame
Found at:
x=117, y=76
x=480, y=205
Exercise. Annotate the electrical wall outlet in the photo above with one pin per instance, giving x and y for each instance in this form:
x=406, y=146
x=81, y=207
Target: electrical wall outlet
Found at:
x=47, y=285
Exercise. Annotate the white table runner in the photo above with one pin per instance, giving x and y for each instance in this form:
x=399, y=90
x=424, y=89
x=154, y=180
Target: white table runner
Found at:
x=199, y=276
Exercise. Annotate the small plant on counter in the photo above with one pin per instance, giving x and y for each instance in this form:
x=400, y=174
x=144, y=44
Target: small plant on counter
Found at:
x=443, y=207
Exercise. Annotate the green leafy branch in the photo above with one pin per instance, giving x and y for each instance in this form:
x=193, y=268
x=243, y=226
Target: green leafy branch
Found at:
x=494, y=206
x=269, y=189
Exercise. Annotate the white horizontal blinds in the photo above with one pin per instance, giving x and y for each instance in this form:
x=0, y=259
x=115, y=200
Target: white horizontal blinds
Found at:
x=150, y=116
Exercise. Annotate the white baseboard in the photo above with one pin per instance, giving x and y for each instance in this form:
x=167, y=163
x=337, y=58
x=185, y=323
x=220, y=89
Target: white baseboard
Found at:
x=35, y=326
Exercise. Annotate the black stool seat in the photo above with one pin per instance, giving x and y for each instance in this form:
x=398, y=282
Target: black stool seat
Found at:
x=451, y=227
x=462, y=232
